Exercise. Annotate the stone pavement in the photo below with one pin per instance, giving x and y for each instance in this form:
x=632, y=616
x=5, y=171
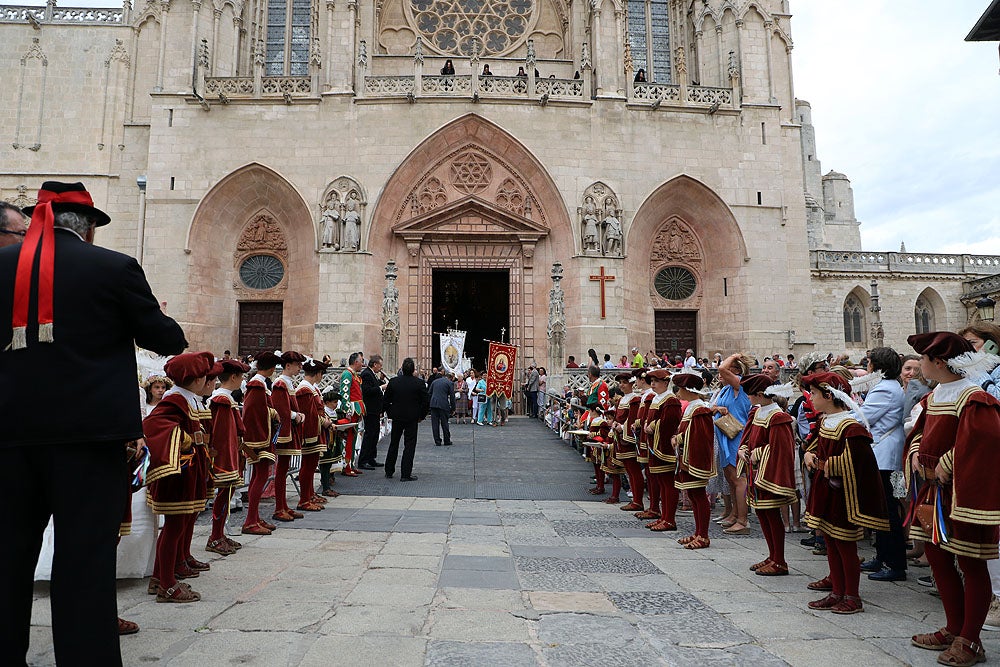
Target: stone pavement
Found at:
x=393, y=580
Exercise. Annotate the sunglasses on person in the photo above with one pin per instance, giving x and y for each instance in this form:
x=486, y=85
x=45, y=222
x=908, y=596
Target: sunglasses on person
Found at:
x=12, y=233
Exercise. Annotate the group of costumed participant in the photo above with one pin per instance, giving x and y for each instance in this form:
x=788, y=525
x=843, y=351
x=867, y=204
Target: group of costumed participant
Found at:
x=195, y=445
x=660, y=434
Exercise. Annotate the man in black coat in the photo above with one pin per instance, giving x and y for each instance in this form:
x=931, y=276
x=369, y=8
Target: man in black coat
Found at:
x=442, y=395
x=406, y=403
x=371, y=393
x=69, y=309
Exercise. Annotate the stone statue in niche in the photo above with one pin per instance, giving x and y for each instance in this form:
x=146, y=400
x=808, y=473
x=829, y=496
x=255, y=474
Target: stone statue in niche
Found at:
x=352, y=225
x=612, y=231
x=330, y=218
x=591, y=235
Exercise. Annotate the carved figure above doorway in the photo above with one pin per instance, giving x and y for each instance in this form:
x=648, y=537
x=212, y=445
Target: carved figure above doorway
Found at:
x=342, y=215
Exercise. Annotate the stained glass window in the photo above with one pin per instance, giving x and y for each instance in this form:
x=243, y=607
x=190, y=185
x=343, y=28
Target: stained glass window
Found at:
x=458, y=27
x=649, y=38
x=288, y=32
x=675, y=283
x=261, y=271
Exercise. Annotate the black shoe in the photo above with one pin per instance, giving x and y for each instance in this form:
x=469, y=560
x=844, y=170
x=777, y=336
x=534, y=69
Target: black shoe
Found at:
x=808, y=541
x=926, y=580
x=367, y=466
x=872, y=565
x=437, y=444
x=411, y=478
x=388, y=475
x=448, y=444
x=885, y=574
x=377, y=464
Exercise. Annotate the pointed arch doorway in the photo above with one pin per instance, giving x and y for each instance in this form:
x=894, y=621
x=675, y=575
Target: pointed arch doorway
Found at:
x=473, y=259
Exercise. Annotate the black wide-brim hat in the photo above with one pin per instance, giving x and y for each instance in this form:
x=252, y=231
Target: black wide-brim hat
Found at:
x=69, y=197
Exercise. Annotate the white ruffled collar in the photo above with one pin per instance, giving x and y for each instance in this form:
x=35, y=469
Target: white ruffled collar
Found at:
x=694, y=405
x=765, y=411
x=833, y=421
x=192, y=399
x=948, y=392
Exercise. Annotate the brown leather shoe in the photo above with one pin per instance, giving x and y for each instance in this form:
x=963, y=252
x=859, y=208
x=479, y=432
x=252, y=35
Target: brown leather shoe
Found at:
x=309, y=507
x=184, y=571
x=824, y=584
x=220, y=546
x=255, y=529
x=233, y=543
x=127, y=627
x=283, y=515
x=154, y=586
x=934, y=641
x=319, y=500
x=267, y=524
x=330, y=493
x=197, y=565
x=296, y=515
x=632, y=507
x=827, y=603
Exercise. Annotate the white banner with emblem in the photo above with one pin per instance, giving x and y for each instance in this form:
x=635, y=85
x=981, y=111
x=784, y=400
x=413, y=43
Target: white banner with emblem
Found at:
x=453, y=351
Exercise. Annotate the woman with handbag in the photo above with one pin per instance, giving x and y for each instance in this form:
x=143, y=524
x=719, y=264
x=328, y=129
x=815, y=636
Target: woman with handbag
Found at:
x=732, y=408
x=956, y=506
x=846, y=494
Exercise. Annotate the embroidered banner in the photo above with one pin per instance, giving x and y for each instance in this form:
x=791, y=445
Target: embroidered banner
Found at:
x=500, y=370
x=453, y=351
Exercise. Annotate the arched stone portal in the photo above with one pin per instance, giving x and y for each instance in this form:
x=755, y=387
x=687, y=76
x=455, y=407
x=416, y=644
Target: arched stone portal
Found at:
x=252, y=212
x=686, y=235
x=471, y=198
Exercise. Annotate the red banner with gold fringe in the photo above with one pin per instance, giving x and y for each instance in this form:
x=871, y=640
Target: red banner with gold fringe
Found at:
x=500, y=370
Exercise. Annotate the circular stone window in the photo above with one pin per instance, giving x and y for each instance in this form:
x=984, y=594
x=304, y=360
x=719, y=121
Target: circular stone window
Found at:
x=261, y=271
x=675, y=283
x=461, y=27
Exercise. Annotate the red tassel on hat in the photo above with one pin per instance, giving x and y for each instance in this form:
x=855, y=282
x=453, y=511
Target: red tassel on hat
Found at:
x=41, y=232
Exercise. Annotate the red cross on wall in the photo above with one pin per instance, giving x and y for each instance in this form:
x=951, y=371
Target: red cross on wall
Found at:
x=602, y=278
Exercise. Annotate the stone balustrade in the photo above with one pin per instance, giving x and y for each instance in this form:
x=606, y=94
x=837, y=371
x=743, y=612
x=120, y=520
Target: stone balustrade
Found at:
x=676, y=95
x=981, y=287
x=53, y=14
x=903, y=262
x=466, y=85
x=246, y=87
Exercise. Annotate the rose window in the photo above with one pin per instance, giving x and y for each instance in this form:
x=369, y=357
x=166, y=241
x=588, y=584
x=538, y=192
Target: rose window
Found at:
x=675, y=283
x=261, y=271
x=460, y=27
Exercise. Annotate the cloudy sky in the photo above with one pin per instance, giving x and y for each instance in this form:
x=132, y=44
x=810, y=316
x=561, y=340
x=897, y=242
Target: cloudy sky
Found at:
x=909, y=111
x=906, y=108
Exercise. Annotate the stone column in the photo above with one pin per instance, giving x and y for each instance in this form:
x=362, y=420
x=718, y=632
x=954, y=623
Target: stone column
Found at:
x=195, y=50
x=359, y=84
x=529, y=63
x=418, y=67
x=557, y=326
x=718, y=50
x=164, y=11
x=595, y=34
x=216, y=15
x=768, y=30
x=390, y=319
x=330, y=6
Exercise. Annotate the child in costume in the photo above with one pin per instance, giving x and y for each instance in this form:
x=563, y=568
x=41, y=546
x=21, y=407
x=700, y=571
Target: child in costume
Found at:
x=310, y=404
x=951, y=465
x=695, y=447
x=227, y=434
x=846, y=495
x=767, y=454
x=662, y=419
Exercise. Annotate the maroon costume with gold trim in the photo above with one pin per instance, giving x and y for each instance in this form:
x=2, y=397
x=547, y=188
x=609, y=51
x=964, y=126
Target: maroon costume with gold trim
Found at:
x=178, y=467
x=227, y=432
x=664, y=415
x=961, y=435
x=849, y=497
x=770, y=443
x=258, y=414
x=696, y=462
x=289, y=442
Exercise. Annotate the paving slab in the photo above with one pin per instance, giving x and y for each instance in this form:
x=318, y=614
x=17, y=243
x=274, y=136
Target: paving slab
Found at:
x=512, y=579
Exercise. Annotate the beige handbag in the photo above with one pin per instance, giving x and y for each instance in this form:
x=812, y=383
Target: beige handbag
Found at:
x=729, y=425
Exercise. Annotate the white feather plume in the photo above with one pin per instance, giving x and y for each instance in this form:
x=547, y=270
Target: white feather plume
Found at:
x=973, y=364
x=863, y=383
x=786, y=390
x=851, y=405
x=149, y=364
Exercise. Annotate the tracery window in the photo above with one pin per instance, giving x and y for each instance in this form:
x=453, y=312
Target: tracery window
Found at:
x=649, y=38
x=458, y=27
x=854, y=320
x=923, y=316
x=287, y=48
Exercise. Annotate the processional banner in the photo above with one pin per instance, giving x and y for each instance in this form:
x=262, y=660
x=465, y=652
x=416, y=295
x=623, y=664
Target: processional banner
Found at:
x=500, y=370
x=452, y=351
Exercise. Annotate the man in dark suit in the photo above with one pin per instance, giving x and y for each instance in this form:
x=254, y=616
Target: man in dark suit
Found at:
x=442, y=394
x=67, y=306
x=372, y=393
x=406, y=403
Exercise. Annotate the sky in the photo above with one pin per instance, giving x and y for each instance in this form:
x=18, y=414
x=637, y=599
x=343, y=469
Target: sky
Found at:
x=905, y=108
x=909, y=111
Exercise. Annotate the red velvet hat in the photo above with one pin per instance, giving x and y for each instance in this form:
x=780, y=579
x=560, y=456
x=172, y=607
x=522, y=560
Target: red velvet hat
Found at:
x=266, y=360
x=188, y=366
x=658, y=374
x=624, y=377
x=756, y=384
x=234, y=366
x=292, y=358
x=940, y=344
x=216, y=370
x=313, y=366
x=52, y=197
x=689, y=381
x=638, y=372
x=826, y=381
